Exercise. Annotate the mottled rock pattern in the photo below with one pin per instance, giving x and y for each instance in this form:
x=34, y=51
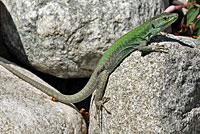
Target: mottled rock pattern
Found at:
x=66, y=38
x=156, y=93
x=26, y=110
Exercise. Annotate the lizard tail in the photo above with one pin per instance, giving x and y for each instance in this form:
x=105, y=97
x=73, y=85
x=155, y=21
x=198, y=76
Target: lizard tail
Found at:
x=81, y=95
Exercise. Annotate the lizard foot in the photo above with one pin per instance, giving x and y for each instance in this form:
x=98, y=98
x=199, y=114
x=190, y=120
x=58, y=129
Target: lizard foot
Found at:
x=100, y=104
x=160, y=48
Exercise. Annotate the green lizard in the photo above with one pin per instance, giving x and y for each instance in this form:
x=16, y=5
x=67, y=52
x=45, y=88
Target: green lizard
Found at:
x=136, y=39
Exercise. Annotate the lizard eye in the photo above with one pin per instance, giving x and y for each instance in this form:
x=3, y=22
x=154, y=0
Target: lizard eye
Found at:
x=165, y=18
x=152, y=25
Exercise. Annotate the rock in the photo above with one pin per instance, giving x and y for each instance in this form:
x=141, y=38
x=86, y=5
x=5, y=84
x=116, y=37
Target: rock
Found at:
x=67, y=38
x=156, y=93
x=25, y=109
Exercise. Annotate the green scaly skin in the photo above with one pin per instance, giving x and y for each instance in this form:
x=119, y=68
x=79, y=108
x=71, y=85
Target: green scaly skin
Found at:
x=134, y=40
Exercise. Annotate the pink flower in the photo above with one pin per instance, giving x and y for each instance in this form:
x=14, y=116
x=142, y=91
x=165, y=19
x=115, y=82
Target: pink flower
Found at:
x=172, y=8
x=198, y=16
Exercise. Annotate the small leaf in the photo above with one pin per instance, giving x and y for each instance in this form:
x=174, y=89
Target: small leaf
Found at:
x=194, y=1
x=197, y=27
x=191, y=15
x=191, y=27
x=183, y=25
x=183, y=21
x=198, y=38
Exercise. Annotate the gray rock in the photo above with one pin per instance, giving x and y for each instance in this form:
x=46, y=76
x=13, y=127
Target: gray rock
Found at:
x=66, y=38
x=155, y=93
x=26, y=110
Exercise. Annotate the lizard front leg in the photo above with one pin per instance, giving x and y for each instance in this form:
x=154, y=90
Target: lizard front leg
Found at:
x=147, y=49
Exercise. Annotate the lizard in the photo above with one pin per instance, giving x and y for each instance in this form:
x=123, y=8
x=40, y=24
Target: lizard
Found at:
x=135, y=40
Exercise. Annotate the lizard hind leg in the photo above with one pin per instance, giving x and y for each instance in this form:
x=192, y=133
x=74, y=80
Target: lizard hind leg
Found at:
x=99, y=99
x=100, y=104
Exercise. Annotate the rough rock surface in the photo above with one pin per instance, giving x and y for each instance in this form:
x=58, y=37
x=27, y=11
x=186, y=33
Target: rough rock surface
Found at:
x=26, y=110
x=156, y=93
x=66, y=38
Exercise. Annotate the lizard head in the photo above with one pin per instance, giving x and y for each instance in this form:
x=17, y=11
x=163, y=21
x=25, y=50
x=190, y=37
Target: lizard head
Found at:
x=162, y=21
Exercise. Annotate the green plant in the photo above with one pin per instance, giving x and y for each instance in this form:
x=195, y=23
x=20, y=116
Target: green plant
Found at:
x=190, y=24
